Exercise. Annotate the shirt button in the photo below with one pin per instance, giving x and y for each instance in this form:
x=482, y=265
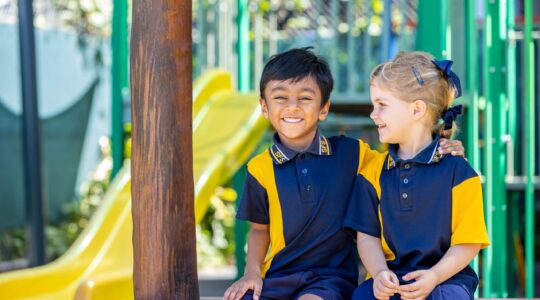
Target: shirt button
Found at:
x=407, y=166
x=304, y=171
x=404, y=195
x=405, y=180
x=308, y=187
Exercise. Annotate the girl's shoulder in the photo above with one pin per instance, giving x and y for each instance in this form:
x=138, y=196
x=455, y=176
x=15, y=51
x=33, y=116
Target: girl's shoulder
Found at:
x=460, y=167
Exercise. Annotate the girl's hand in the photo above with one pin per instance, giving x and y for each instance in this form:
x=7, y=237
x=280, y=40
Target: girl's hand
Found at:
x=426, y=281
x=385, y=284
x=454, y=147
x=239, y=288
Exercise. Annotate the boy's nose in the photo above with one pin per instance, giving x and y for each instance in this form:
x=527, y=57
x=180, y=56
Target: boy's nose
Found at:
x=292, y=103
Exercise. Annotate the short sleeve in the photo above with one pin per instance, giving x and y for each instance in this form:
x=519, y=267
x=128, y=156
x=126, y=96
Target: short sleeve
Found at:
x=468, y=226
x=362, y=213
x=253, y=205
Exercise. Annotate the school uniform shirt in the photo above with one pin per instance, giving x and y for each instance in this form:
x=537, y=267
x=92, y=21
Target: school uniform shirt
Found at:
x=419, y=208
x=303, y=197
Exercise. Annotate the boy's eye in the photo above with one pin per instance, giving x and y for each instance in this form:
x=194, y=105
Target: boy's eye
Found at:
x=280, y=98
x=305, y=99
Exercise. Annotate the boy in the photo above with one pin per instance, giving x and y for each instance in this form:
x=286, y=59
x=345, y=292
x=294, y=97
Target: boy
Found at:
x=296, y=193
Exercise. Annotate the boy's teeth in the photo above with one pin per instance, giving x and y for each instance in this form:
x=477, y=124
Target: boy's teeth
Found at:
x=292, y=120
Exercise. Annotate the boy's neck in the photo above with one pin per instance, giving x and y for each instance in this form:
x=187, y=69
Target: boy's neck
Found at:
x=415, y=144
x=299, y=144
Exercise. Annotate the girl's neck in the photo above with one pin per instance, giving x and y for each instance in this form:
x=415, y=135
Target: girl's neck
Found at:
x=415, y=144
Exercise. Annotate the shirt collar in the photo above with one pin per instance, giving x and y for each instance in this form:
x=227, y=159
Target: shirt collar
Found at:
x=427, y=156
x=281, y=154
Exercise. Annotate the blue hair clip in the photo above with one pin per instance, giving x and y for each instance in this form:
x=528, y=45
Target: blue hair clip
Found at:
x=450, y=115
x=446, y=67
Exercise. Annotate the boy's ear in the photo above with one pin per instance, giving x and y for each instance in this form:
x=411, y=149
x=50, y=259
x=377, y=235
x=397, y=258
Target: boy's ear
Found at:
x=264, y=108
x=419, y=108
x=324, y=111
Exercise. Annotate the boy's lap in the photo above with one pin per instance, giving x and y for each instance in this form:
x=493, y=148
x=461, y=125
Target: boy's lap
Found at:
x=295, y=285
x=444, y=291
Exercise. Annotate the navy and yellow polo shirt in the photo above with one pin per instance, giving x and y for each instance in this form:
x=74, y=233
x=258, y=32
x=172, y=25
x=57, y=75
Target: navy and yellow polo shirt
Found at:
x=303, y=197
x=419, y=208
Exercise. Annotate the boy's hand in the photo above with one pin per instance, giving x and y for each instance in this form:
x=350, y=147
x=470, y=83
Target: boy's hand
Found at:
x=454, y=147
x=426, y=281
x=239, y=288
x=385, y=284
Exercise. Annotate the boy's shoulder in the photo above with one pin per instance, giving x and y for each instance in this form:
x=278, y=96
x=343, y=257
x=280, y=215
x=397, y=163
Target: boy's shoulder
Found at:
x=260, y=159
x=344, y=143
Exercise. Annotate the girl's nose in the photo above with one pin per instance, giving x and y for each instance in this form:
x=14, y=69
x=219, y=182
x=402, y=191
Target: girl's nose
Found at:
x=373, y=115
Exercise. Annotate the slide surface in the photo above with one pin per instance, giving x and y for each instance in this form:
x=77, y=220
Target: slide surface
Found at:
x=227, y=128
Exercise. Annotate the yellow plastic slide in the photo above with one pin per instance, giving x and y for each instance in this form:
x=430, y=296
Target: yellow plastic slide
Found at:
x=226, y=130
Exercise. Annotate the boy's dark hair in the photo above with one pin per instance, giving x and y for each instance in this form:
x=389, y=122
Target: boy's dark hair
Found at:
x=297, y=64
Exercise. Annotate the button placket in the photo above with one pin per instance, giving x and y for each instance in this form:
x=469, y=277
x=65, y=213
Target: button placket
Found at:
x=305, y=181
x=405, y=196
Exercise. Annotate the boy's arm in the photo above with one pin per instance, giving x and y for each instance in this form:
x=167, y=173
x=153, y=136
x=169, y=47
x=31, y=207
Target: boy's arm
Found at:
x=258, y=241
x=385, y=282
x=455, y=260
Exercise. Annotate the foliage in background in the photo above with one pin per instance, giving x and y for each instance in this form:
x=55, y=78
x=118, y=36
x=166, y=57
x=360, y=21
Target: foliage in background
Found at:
x=76, y=214
x=214, y=234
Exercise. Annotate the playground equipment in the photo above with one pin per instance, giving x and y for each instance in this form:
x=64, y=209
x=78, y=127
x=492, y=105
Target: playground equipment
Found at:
x=226, y=130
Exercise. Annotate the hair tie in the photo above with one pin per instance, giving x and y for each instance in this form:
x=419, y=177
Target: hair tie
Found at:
x=450, y=115
x=445, y=66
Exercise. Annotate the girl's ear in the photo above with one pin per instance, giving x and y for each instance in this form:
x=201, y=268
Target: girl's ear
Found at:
x=264, y=108
x=419, y=109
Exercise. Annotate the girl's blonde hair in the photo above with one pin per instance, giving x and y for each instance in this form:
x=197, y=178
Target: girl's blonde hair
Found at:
x=413, y=76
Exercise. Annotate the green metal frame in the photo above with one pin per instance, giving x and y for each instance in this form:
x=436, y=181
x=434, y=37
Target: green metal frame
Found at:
x=433, y=34
x=120, y=81
x=244, y=59
x=529, y=150
x=473, y=145
x=495, y=259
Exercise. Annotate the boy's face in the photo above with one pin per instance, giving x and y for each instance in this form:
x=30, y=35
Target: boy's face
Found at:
x=391, y=115
x=294, y=109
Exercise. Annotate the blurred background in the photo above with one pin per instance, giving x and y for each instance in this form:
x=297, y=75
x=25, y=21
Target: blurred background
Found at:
x=65, y=125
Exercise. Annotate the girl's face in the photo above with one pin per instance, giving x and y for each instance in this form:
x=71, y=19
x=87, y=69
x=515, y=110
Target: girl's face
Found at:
x=393, y=116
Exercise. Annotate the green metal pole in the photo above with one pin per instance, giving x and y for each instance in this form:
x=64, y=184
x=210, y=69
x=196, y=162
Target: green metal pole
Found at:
x=119, y=41
x=240, y=227
x=495, y=266
x=529, y=150
x=244, y=55
x=473, y=146
x=512, y=74
x=511, y=89
x=433, y=28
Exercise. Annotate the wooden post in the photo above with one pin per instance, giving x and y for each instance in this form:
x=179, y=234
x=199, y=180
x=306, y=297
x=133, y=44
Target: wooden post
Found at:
x=165, y=265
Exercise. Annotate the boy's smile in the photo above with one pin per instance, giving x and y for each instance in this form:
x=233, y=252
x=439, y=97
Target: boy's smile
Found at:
x=294, y=109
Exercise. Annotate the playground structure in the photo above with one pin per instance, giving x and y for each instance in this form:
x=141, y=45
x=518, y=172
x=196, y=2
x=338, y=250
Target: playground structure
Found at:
x=227, y=128
x=497, y=111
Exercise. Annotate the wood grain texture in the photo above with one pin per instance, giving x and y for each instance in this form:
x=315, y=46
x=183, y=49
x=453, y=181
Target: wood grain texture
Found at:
x=165, y=265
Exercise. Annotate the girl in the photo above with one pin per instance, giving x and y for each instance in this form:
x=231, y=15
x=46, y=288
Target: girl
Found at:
x=419, y=219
